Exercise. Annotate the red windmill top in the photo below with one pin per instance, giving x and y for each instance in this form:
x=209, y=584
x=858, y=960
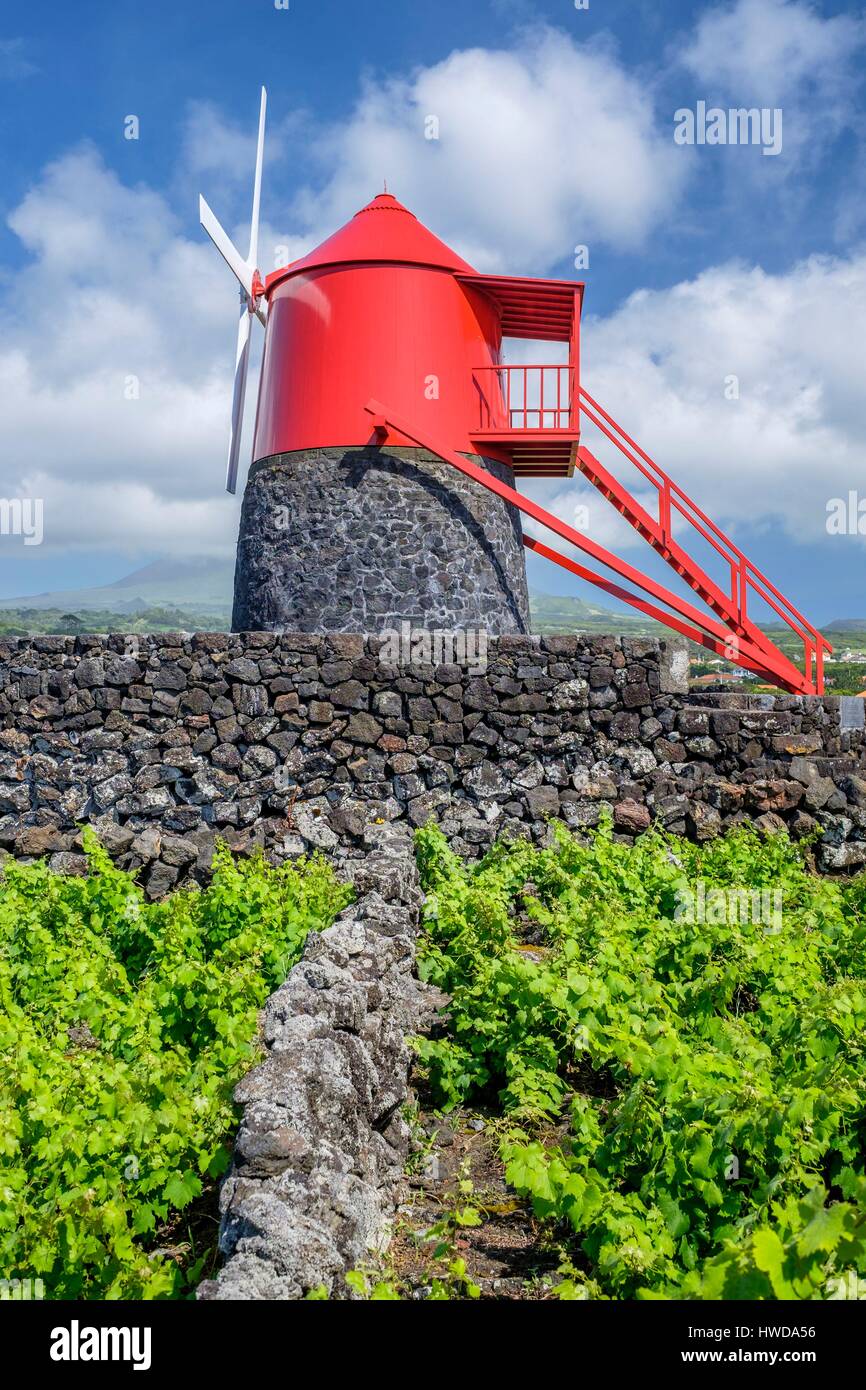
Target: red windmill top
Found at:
x=372, y=235
x=385, y=308
x=384, y=335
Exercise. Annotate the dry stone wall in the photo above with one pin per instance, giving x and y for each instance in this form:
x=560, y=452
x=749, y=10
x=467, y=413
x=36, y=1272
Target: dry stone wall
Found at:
x=319, y=1157
x=292, y=741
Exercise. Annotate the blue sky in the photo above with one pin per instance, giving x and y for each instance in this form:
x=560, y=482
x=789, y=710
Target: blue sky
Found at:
x=557, y=129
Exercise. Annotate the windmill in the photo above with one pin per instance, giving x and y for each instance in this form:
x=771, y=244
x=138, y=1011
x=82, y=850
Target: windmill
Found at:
x=389, y=435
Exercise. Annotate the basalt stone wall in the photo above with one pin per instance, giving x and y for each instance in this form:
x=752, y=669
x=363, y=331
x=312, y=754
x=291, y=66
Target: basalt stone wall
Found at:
x=318, y=1162
x=291, y=741
x=336, y=540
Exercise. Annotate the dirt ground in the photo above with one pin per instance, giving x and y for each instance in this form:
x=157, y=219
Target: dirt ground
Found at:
x=509, y=1255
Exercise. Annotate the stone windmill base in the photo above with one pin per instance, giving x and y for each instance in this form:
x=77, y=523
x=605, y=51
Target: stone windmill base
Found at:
x=360, y=540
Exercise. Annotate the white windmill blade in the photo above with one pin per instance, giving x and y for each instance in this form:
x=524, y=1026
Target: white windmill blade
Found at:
x=253, y=256
x=226, y=247
x=252, y=299
x=242, y=359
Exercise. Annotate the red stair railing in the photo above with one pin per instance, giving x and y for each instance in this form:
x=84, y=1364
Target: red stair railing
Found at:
x=673, y=500
x=753, y=648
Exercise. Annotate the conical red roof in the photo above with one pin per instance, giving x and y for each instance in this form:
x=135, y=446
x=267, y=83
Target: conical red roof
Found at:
x=383, y=231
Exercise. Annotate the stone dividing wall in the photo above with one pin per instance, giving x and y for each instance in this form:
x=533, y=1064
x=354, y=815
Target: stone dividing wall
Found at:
x=318, y=1163
x=337, y=540
x=292, y=741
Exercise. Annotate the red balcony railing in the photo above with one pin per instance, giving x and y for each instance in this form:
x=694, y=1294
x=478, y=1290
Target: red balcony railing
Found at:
x=532, y=397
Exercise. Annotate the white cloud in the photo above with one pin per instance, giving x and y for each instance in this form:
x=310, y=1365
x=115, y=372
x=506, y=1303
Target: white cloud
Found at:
x=115, y=292
x=14, y=62
x=782, y=53
x=773, y=47
x=540, y=147
x=213, y=144
x=79, y=219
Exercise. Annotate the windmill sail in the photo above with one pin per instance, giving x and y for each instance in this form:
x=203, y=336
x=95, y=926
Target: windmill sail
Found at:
x=246, y=271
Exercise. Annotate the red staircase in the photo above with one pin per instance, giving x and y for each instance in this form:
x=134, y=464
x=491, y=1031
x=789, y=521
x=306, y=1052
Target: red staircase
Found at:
x=532, y=415
x=727, y=630
x=751, y=647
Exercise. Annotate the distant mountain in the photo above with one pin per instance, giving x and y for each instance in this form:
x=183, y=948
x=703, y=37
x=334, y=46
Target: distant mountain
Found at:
x=563, y=613
x=204, y=584
x=201, y=584
x=197, y=571
x=846, y=625
x=545, y=604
